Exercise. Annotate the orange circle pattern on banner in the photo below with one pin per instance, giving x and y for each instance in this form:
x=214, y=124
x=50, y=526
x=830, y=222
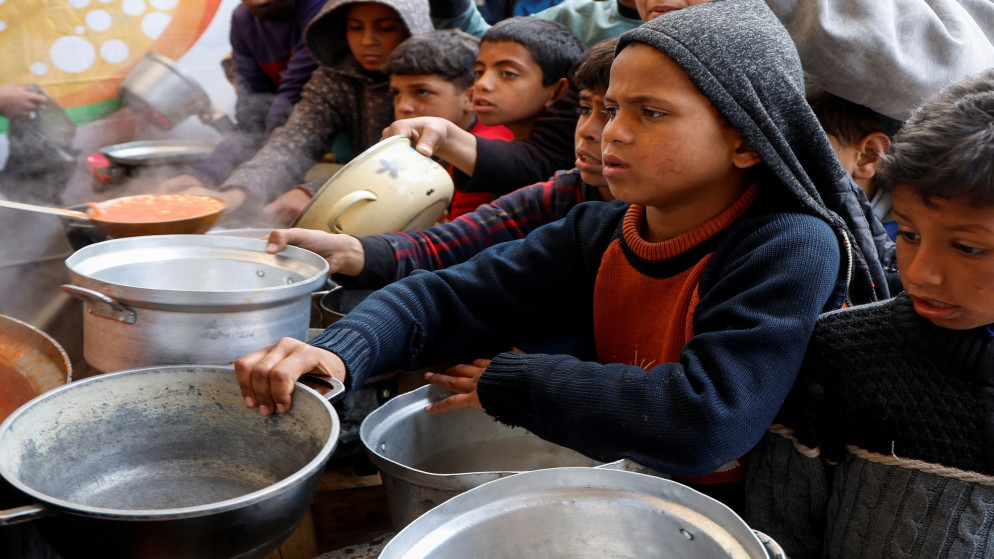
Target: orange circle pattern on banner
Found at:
x=78, y=51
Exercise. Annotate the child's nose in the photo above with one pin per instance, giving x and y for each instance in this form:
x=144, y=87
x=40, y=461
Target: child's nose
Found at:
x=369, y=36
x=403, y=105
x=484, y=82
x=922, y=268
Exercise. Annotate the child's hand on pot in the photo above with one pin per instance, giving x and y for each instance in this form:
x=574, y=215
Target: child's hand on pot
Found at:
x=461, y=379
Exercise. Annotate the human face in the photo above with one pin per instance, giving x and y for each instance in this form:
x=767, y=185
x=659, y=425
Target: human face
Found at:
x=666, y=147
x=945, y=254
x=651, y=9
x=508, y=88
x=273, y=10
x=431, y=95
x=587, y=139
x=372, y=32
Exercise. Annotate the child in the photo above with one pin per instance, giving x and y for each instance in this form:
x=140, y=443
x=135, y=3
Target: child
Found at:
x=432, y=74
x=374, y=261
x=347, y=94
x=522, y=84
x=697, y=289
x=884, y=446
x=860, y=137
x=271, y=63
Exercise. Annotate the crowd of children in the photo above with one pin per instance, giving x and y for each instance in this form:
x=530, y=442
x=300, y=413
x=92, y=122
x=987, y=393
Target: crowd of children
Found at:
x=716, y=243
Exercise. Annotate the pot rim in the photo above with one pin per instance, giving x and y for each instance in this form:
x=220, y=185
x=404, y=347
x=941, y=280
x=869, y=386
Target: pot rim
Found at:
x=401, y=407
x=257, y=496
x=202, y=244
x=469, y=510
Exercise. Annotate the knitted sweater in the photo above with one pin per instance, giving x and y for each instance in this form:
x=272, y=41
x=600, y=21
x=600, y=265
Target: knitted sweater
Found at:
x=340, y=97
x=884, y=446
x=685, y=417
x=272, y=64
x=392, y=256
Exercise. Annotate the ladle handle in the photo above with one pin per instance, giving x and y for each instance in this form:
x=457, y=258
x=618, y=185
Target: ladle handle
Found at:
x=72, y=214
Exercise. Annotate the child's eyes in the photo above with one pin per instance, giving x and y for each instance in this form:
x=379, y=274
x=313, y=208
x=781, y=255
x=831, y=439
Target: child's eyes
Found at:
x=509, y=74
x=477, y=73
x=584, y=110
x=353, y=27
x=611, y=112
x=968, y=250
x=423, y=93
x=909, y=236
x=652, y=113
x=387, y=28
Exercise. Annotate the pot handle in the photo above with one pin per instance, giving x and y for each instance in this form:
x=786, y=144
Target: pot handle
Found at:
x=26, y=513
x=102, y=305
x=773, y=549
x=343, y=205
x=337, y=389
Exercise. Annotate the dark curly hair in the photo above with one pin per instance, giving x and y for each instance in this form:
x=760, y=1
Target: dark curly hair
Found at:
x=946, y=148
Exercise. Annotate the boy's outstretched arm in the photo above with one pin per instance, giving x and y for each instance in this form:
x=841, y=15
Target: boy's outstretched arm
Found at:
x=439, y=137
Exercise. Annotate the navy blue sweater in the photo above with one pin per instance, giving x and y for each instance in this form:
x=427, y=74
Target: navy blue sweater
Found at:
x=770, y=275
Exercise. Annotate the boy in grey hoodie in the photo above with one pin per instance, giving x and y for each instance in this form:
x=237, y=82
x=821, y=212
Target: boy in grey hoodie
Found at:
x=346, y=94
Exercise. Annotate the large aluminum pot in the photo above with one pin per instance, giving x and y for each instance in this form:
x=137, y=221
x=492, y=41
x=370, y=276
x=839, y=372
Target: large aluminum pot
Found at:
x=561, y=513
x=426, y=459
x=31, y=363
x=175, y=299
x=165, y=463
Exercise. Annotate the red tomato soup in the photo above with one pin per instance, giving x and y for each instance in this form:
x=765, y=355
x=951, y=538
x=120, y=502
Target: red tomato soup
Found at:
x=155, y=208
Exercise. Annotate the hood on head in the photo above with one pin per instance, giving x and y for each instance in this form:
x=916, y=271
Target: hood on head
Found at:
x=325, y=34
x=742, y=58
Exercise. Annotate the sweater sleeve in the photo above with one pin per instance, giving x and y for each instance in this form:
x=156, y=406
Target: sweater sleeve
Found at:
x=509, y=217
x=293, y=148
x=502, y=167
x=759, y=298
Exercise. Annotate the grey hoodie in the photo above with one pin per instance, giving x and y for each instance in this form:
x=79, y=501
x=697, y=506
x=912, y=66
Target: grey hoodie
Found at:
x=753, y=77
x=340, y=97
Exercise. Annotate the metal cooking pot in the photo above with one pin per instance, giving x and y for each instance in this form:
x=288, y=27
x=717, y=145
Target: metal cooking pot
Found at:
x=562, y=513
x=159, y=91
x=31, y=363
x=164, y=463
x=426, y=459
x=174, y=299
x=334, y=304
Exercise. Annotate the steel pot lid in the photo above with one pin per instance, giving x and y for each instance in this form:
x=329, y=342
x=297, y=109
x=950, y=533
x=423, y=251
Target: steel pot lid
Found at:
x=149, y=152
x=199, y=271
x=561, y=513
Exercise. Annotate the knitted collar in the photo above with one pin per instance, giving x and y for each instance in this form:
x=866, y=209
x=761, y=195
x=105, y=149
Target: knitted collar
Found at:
x=964, y=351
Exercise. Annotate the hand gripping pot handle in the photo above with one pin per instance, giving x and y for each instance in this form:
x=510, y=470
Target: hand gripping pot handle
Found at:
x=335, y=386
x=343, y=205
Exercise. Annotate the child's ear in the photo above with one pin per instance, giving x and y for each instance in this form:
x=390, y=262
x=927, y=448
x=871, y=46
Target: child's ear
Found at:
x=743, y=156
x=557, y=90
x=467, y=100
x=871, y=149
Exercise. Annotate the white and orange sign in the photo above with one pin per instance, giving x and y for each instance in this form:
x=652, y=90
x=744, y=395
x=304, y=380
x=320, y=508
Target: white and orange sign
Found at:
x=78, y=51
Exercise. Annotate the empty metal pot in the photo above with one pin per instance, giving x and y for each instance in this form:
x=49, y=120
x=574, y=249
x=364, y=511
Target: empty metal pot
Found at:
x=167, y=462
x=161, y=93
x=426, y=459
x=566, y=513
x=175, y=299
